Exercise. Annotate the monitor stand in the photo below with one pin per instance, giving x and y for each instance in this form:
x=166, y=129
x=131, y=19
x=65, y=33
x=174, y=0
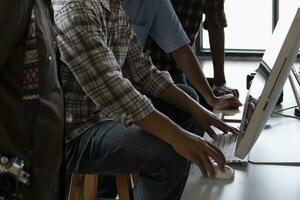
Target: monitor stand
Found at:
x=279, y=142
x=297, y=112
x=296, y=94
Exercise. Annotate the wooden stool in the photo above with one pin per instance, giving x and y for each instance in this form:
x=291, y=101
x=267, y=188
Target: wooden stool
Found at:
x=84, y=186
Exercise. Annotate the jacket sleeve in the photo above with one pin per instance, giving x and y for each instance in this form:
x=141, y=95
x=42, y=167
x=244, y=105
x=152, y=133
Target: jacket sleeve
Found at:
x=14, y=15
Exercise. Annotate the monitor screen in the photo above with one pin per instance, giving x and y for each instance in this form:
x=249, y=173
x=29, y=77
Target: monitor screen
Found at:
x=269, y=80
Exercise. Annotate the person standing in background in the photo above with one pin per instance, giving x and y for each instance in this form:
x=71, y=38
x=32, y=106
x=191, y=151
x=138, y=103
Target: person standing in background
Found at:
x=164, y=39
x=190, y=13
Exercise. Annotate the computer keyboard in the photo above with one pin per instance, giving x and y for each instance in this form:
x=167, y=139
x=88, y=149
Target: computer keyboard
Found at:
x=227, y=144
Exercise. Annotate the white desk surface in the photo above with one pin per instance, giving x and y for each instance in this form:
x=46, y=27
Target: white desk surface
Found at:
x=255, y=181
x=278, y=143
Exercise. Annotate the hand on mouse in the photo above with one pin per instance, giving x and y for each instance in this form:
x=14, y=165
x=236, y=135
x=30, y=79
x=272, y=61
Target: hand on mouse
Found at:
x=198, y=150
x=226, y=173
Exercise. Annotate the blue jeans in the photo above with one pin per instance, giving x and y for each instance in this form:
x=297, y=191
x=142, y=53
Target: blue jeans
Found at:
x=110, y=148
x=178, y=78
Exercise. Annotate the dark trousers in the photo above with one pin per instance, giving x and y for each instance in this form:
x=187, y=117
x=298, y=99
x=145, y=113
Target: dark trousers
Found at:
x=111, y=148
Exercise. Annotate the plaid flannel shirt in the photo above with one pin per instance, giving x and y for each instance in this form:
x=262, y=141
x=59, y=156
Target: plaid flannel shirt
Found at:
x=103, y=65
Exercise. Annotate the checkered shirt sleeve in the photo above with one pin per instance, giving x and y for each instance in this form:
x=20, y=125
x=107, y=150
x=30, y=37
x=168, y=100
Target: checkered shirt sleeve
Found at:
x=103, y=62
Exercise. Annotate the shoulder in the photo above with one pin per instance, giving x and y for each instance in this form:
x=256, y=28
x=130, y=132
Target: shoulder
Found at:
x=77, y=10
x=63, y=6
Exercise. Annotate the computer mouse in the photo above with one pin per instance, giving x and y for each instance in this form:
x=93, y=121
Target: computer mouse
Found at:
x=227, y=174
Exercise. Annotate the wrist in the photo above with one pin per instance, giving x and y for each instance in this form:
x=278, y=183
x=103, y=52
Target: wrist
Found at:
x=180, y=137
x=211, y=99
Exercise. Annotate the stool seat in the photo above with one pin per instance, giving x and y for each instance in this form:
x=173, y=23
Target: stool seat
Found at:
x=84, y=186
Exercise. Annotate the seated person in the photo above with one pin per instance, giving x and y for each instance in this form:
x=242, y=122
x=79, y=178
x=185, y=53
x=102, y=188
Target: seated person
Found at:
x=190, y=14
x=157, y=20
x=113, y=125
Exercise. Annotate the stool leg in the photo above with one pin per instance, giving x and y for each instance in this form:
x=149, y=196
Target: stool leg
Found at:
x=124, y=187
x=90, y=187
x=135, y=178
x=76, y=189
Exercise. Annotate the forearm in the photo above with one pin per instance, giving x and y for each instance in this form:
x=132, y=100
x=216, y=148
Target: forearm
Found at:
x=162, y=127
x=178, y=98
x=188, y=63
x=186, y=144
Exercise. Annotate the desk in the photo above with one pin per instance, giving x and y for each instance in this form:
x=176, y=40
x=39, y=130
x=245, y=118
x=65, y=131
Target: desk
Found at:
x=253, y=182
x=278, y=143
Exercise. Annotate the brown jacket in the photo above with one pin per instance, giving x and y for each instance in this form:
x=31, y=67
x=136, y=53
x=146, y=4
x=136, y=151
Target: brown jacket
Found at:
x=38, y=141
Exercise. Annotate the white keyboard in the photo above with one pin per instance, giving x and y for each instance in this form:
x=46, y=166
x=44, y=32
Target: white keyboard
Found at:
x=227, y=144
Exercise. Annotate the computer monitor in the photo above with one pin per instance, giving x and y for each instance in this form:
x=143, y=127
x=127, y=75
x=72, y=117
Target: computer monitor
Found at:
x=269, y=80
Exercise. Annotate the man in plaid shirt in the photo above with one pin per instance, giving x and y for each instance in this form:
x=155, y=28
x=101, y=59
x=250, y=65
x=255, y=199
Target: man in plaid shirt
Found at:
x=190, y=13
x=112, y=126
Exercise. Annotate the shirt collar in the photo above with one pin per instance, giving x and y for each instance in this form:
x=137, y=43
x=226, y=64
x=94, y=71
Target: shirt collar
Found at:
x=106, y=4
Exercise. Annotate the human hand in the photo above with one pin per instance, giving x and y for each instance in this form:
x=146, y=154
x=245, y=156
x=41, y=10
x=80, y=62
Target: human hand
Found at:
x=227, y=101
x=223, y=89
x=199, y=151
x=207, y=120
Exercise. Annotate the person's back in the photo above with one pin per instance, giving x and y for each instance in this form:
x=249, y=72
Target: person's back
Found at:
x=31, y=104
